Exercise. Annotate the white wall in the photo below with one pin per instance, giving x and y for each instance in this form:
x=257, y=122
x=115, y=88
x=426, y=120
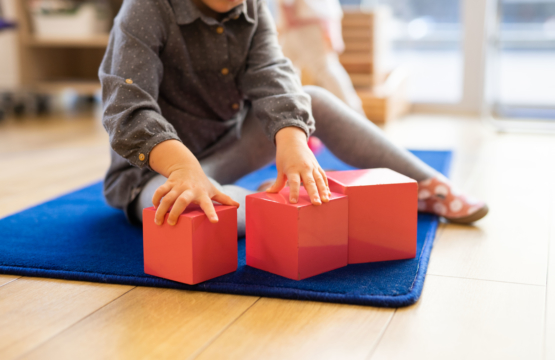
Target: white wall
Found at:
x=9, y=79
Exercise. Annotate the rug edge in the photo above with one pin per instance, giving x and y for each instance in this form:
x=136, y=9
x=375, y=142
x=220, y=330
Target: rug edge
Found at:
x=252, y=290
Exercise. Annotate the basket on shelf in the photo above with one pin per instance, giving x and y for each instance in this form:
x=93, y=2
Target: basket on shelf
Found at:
x=65, y=19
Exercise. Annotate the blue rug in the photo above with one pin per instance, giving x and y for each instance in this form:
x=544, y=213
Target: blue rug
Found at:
x=78, y=237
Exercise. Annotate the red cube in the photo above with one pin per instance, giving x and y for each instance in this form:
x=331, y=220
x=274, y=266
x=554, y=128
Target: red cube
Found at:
x=296, y=241
x=383, y=213
x=194, y=250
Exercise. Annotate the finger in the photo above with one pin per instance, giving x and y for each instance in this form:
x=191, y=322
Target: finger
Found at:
x=311, y=188
x=165, y=204
x=294, y=186
x=208, y=208
x=179, y=206
x=321, y=185
x=225, y=199
x=279, y=184
x=159, y=194
x=325, y=177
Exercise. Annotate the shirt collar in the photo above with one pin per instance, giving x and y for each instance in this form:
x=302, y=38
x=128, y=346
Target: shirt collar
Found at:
x=186, y=12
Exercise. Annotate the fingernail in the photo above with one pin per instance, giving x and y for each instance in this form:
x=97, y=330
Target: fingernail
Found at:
x=171, y=223
x=157, y=222
x=294, y=200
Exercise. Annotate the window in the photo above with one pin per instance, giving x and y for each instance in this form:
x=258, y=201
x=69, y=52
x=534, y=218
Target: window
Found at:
x=525, y=54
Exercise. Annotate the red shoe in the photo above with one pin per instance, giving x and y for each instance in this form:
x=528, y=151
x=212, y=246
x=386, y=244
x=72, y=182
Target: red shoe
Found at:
x=437, y=196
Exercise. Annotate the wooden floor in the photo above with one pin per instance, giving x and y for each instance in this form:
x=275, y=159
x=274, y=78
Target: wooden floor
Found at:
x=489, y=293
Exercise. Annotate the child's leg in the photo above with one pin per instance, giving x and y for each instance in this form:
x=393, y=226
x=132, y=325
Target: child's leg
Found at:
x=358, y=142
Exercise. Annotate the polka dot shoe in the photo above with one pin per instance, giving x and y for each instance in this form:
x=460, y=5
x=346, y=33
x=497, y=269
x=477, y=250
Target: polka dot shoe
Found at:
x=437, y=196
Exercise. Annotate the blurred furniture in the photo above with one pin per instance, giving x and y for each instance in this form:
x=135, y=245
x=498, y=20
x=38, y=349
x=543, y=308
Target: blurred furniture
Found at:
x=382, y=91
x=6, y=25
x=388, y=100
x=365, y=45
x=49, y=65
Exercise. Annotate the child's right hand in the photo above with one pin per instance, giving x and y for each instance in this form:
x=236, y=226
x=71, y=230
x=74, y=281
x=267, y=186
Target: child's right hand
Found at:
x=187, y=184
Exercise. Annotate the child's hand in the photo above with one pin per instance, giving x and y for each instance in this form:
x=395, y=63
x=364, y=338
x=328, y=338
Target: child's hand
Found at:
x=186, y=184
x=295, y=163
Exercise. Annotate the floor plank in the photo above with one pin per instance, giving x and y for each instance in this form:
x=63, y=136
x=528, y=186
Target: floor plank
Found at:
x=34, y=310
x=467, y=319
x=549, y=339
x=49, y=156
x=33, y=134
x=511, y=243
x=6, y=279
x=148, y=323
x=60, y=170
x=287, y=329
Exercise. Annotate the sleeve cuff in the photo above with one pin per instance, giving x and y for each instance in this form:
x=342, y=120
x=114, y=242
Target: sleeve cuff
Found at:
x=142, y=156
x=288, y=123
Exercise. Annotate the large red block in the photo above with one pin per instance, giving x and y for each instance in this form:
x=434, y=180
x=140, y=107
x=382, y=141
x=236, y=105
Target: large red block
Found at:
x=194, y=250
x=383, y=213
x=296, y=241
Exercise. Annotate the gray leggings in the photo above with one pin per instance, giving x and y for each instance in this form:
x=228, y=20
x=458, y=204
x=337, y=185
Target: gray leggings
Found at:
x=347, y=134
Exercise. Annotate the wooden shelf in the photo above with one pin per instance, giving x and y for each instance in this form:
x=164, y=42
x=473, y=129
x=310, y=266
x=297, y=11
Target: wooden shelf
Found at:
x=82, y=87
x=51, y=65
x=97, y=41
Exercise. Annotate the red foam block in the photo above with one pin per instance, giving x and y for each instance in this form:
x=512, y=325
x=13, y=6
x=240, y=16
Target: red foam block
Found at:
x=383, y=213
x=296, y=241
x=194, y=250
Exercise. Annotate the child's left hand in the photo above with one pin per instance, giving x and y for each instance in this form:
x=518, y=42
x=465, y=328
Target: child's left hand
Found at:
x=296, y=163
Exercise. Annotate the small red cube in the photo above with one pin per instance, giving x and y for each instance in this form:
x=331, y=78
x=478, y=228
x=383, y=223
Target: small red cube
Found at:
x=383, y=213
x=194, y=250
x=296, y=241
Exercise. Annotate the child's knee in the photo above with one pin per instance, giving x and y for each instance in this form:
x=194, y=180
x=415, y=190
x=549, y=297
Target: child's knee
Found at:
x=317, y=92
x=319, y=96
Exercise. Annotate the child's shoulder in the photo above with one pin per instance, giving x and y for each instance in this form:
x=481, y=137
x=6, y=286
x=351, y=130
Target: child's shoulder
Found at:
x=146, y=10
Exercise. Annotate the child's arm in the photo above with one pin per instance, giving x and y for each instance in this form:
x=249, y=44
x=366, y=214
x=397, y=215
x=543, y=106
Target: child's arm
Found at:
x=284, y=109
x=131, y=74
x=186, y=184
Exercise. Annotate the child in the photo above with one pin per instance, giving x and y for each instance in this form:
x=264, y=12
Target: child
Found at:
x=197, y=94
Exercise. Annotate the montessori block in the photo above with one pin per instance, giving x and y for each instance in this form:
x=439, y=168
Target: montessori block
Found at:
x=296, y=241
x=383, y=213
x=194, y=250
